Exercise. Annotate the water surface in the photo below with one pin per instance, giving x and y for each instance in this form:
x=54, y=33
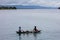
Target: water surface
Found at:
x=47, y=20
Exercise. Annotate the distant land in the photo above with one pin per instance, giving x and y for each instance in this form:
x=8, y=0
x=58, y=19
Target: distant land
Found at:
x=5, y=7
x=32, y=7
x=27, y=7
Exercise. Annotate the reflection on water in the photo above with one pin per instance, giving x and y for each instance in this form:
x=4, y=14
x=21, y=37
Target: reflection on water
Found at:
x=35, y=35
x=19, y=37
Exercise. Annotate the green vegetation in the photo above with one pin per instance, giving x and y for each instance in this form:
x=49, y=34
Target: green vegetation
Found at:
x=4, y=7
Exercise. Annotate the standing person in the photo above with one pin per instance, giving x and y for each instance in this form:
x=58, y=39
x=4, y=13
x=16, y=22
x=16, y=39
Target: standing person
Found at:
x=35, y=29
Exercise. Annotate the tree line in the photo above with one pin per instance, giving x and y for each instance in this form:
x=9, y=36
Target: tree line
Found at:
x=4, y=7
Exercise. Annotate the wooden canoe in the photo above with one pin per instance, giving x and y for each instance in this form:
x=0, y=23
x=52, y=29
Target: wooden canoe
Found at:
x=28, y=32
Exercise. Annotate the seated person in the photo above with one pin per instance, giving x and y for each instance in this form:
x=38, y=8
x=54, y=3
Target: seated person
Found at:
x=35, y=29
x=19, y=29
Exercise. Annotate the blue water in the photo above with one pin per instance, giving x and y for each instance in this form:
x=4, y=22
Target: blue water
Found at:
x=47, y=20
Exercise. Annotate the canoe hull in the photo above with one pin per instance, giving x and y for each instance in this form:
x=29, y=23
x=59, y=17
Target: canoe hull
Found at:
x=27, y=32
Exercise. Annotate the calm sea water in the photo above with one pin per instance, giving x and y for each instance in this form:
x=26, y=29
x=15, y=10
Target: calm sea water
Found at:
x=47, y=20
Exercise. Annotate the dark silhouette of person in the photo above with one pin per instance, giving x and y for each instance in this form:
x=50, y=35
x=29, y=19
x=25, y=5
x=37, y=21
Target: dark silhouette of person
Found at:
x=35, y=29
x=19, y=29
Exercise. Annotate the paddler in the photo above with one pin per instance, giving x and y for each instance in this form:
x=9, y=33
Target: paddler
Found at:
x=35, y=29
x=19, y=29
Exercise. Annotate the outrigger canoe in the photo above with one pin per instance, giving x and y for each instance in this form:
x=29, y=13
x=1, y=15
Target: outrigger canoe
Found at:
x=28, y=32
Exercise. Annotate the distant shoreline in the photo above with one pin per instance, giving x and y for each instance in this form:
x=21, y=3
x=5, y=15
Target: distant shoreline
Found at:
x=4, y=7
x=13, y=7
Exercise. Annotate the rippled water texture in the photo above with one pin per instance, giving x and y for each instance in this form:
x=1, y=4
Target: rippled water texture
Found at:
x=47, y=20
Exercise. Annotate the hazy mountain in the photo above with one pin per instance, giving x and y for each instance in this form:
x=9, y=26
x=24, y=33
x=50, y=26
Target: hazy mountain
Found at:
x=29, y=7
x=32, y=7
